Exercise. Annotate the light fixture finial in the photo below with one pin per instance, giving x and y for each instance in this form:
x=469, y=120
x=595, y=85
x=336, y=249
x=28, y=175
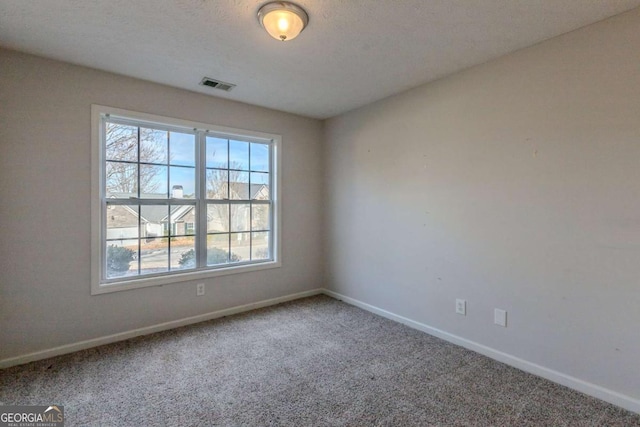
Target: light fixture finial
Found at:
x=283, y=20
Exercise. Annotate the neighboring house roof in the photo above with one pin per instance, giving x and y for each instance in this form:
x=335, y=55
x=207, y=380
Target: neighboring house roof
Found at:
x=240, y=189
x=179, y=212
x=150, y=213
x=158, y=213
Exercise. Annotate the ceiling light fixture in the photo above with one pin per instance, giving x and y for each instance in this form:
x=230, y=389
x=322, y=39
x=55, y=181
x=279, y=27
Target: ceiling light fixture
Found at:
x=283, y=20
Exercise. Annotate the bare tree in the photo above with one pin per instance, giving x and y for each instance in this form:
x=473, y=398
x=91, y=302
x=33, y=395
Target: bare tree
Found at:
x=122, y=146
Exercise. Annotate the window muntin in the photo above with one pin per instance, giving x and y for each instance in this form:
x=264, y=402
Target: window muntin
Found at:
x=149, y=188
x=238, y=178
x=176, y=199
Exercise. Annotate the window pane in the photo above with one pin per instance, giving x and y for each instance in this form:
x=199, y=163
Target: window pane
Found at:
x=183, y=220
x=260, y=186
x=146, y=162
x=260, y=157
x=122, y=180
x=260, y=246
x=154, y=255
x=153, y=146
x=183, y=182
x=121, y=258
x=217, y=218
x=183, y=254
x=238, y=185
x=240, y=217
x=121, y=142
x=217, y=153
x=154, y=221
x=217, y=249
x=259, y=217
x=122, y=221
x=153, y=182
x=183, y=149
x=238, y=155
x=217, y=184
x=240, y=247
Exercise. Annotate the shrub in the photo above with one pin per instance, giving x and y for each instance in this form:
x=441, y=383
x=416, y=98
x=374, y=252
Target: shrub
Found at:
x=262, y=253
x=214, y=256
x=118, y=259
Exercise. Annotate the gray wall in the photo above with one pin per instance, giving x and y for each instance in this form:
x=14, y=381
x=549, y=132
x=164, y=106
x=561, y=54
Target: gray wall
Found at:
x=513, y=185
x=45, y=180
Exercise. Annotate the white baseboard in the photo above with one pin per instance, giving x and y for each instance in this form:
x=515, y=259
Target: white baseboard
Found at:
x=585, y=387
x=624, y=401
x=95, y=342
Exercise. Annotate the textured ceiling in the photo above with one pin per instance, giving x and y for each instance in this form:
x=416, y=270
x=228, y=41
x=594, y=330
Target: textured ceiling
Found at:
x=352, y=53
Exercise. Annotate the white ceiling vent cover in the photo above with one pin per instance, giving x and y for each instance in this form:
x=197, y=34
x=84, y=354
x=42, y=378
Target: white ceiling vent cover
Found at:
x=217, y=84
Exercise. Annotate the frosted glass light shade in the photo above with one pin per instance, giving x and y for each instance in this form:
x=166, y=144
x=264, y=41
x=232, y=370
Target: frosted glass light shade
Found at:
x=282, y=20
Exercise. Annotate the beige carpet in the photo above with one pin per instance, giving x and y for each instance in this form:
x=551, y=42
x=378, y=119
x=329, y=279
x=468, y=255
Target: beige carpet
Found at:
x=311, y=362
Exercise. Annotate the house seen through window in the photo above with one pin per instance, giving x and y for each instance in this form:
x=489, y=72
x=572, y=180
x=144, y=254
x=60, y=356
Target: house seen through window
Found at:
x=177, y=199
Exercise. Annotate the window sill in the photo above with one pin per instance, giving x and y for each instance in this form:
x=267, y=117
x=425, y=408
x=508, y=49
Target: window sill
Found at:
x=137, y=283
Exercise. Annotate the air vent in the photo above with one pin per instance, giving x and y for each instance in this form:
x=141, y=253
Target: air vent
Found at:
x=217, y=84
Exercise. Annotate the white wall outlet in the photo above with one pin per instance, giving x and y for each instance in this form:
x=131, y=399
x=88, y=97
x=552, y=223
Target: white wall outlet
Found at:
x=461, y=307
x=500, y=317
x=200, y=289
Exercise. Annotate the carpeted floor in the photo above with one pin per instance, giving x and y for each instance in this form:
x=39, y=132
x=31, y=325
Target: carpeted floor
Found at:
x=311, y=362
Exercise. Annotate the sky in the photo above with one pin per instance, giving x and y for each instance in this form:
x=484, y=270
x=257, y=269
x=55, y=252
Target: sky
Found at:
x=181, y=151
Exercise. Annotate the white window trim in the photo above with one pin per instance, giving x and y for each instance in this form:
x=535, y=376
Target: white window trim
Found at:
x=97, y=287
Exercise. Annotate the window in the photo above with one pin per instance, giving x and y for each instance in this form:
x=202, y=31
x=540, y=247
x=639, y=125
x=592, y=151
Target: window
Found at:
x=177, y=200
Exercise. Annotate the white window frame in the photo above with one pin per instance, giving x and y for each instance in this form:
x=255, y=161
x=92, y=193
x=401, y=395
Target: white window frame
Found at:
x=98, y=232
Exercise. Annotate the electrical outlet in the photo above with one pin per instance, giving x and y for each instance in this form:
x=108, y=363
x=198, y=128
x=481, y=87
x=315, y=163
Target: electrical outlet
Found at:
x=200, y=289
x=500, y=317
x=461, y=307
